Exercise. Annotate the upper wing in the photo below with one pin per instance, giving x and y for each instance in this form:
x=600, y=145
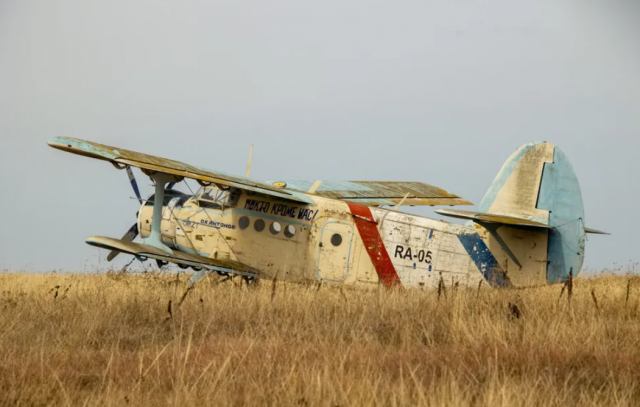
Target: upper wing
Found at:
x=379, y=192
x=148, y=162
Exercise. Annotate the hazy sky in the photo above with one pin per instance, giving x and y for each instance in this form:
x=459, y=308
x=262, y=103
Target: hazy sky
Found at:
x=435, y=91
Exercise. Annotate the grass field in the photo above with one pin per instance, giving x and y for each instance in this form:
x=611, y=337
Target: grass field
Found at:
x=111, y=340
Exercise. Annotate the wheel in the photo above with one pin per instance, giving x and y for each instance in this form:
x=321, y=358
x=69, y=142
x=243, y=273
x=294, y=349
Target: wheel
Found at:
x=251, y=281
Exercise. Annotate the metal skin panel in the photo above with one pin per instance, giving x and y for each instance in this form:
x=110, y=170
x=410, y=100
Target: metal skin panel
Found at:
x=374, y=245
x=333, y=258
x=530, y=248
x=377, y=193
x=425, y=251
x=515, y=190
x=216, y=233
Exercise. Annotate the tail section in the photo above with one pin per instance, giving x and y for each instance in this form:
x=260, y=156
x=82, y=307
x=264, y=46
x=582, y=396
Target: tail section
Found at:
x=532, y=217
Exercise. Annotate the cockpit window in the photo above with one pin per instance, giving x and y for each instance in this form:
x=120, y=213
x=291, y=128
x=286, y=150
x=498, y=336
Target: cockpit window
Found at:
x=209, y=194
x=215, y=198
x=169, y=194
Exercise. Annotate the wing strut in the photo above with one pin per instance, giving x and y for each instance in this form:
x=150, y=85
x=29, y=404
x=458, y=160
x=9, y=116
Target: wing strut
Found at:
x=154, y=240
x=395, y=208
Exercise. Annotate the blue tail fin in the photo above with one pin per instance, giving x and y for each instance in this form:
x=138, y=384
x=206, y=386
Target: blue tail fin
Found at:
x=560, y=195
x=538, y=183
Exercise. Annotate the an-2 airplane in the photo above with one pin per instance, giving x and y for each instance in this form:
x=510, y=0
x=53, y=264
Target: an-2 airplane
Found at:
x=529, y=229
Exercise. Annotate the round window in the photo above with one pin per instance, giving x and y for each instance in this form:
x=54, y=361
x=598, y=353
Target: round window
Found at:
x=336, y=239
x=275, y=228
x=289, y=231
x=259, y=225
x=244, y=222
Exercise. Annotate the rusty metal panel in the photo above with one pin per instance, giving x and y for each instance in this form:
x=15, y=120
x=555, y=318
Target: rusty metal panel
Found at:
x=165, y=165
x=381, y=192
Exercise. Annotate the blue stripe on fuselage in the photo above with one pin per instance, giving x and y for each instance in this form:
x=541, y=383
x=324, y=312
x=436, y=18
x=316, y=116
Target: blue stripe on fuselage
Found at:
x=484, y=260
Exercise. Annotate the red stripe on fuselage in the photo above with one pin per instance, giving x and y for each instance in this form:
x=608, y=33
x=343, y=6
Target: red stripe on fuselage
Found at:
x=372, y=240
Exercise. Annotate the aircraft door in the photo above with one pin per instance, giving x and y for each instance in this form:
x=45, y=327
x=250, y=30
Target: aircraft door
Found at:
x=334, y=251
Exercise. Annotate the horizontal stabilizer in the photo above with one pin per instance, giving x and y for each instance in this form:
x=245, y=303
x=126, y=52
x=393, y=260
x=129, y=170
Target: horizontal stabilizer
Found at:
x=146, y=251
x=492, y=222
x=378, y=193
x=493, y=218
x=595, y=231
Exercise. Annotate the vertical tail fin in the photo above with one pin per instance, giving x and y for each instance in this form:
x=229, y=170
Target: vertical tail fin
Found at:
x=539, y=184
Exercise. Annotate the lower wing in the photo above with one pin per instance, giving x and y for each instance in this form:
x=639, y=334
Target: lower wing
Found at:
x=184, y=259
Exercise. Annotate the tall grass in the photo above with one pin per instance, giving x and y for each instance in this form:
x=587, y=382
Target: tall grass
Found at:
x=116, y=340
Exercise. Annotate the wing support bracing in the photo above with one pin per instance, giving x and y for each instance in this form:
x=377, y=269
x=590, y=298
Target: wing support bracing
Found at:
x=155, y=239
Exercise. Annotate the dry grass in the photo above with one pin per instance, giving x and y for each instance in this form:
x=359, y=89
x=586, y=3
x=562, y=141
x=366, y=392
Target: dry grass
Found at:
x=106, y=340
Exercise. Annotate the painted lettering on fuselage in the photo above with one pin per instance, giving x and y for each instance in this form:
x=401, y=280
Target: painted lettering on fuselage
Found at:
x=280, y=209
x=422, y=256
x=284, y=210
x=191, y=224
x=258, y=206
x=216, y=225
x=308, y=214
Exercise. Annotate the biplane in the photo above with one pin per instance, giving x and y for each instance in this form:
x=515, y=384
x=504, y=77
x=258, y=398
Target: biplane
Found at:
x=528, y=230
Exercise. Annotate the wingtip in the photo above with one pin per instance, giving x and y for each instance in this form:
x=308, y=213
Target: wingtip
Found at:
x=93, y=240
x=61, y=143
x=54, y=142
